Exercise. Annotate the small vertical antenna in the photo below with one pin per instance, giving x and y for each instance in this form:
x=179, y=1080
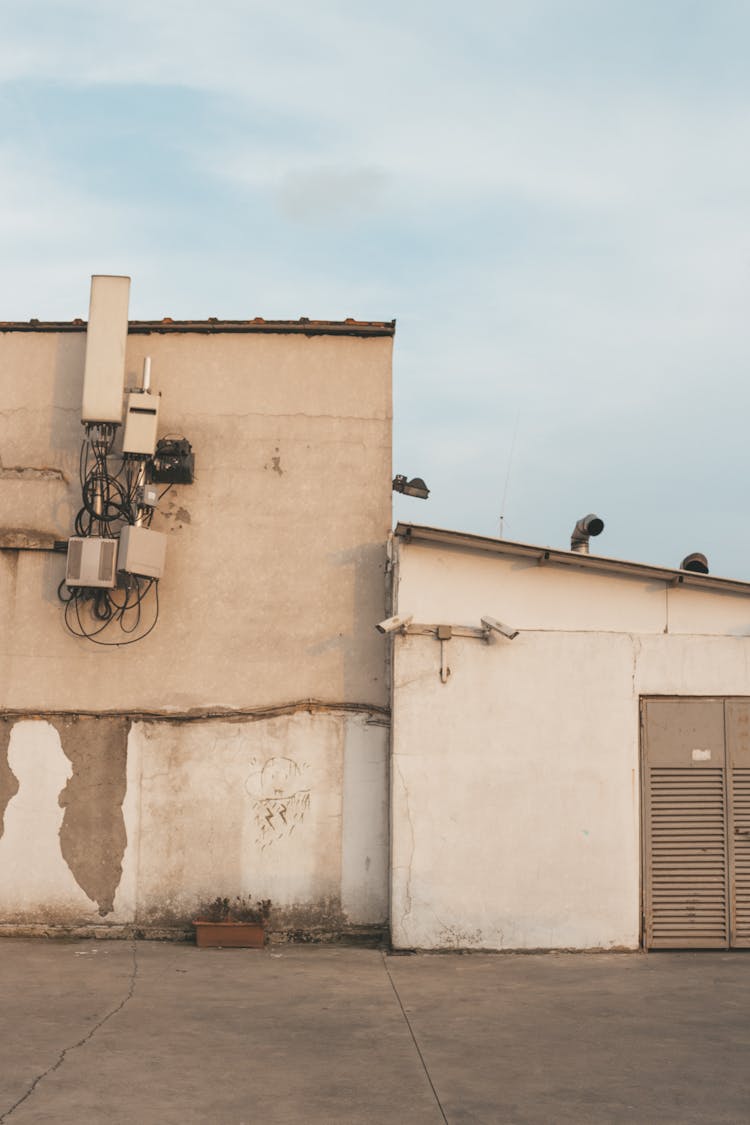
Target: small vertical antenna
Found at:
x=141, y=477
x=507, y=475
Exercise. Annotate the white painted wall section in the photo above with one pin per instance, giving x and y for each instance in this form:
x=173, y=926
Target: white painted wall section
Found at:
x=516, y=784
x=502, y=836
x=34, y=877
x=364, y=842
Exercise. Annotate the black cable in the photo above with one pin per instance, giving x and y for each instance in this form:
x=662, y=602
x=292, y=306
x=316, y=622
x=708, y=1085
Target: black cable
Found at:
x=136, y=606
x=82, y=631
x=132, y=628
x=63, y=599
x=134, y=640
x=107, y=496
x=109, y=502
x=102, y=607
x=91, y=635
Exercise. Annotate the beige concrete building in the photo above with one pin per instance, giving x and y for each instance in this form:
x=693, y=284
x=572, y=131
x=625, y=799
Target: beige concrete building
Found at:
x=583, y=785
x=241, y=746
x=577, y=777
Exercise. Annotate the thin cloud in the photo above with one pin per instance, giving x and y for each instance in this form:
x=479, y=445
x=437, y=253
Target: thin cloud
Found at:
x=316, y=194
x=551, y=198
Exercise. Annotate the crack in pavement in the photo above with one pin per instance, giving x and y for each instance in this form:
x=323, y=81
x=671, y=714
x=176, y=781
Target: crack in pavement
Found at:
x=413, y=1038
x=81, y=1042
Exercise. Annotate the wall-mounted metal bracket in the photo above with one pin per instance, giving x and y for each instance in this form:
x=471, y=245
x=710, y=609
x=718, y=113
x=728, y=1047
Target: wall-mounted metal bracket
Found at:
x=456, y=631
x=444, y=634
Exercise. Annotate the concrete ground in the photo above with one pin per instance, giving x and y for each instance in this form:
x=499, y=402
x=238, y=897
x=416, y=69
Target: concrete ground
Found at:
x=122, y=1032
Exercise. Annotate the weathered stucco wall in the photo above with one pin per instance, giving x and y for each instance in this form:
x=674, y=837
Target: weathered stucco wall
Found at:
x=515, y=785
x=275, y=575
x=275, y=562
x=108, y=821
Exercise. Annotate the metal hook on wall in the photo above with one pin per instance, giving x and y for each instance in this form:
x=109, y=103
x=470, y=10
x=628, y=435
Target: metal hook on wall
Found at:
x=444, y=634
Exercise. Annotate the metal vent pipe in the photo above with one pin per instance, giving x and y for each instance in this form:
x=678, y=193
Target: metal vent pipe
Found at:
x=697, y=563
x=587, y=526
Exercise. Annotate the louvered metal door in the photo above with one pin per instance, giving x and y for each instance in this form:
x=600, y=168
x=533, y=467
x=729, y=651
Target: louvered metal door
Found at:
x=686, y=885
x=738, y=808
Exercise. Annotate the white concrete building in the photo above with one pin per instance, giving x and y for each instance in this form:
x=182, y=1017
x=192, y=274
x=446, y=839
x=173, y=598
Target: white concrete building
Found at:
x=527, y=810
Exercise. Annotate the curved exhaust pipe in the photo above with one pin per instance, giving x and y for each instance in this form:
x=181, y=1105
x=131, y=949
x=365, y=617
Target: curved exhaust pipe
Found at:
x=587, y=526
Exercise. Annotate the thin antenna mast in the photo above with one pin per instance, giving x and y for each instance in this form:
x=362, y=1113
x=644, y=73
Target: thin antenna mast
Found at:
x=507, y=475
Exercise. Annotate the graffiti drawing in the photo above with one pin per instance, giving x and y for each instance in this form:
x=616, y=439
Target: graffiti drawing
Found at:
x=280, y=798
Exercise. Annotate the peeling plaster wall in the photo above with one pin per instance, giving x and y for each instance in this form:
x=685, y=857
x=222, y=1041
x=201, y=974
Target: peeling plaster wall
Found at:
x=263, y=804
x=92, y=835
x=8, y=780
x=44, y=872
x=143, y=770
x=143, y=823
x=516, y=785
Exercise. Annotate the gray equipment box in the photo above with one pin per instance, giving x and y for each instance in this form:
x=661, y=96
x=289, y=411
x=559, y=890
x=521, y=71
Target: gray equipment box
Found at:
x=142, y=551
x=91, y=562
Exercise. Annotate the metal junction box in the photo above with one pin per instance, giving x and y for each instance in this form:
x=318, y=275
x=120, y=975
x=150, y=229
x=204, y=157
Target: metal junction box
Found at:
x=91, y=562
x=174, y=462
x=141, y=420
x=142, y=551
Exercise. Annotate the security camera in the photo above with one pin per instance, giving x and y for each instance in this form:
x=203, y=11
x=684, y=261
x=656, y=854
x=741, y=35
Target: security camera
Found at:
x=491, y=624
x=394, y=624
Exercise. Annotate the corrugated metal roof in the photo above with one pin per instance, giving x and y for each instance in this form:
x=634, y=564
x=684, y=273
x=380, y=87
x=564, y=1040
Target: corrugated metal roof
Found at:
x=303, y=326
x=551, y=556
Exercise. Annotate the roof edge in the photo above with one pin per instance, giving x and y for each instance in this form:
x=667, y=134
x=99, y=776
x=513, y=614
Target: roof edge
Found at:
x=213, y=325
x=550, y=555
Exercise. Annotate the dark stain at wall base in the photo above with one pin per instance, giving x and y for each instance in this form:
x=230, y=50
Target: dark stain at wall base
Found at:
x=92, y=836
x=8, y=780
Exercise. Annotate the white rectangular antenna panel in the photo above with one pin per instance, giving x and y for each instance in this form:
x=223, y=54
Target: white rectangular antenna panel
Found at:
x=104, y=373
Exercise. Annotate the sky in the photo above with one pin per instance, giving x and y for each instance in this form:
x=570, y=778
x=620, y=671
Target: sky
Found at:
x=552, y=198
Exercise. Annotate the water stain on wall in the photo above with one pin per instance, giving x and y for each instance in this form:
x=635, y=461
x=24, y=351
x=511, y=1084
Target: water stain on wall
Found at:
x=8, y=780
x=93, y=836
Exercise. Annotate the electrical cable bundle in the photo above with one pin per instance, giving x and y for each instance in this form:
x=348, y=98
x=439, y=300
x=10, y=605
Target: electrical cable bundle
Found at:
x=105, y=609
x=107, y=498
x=110, y=501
